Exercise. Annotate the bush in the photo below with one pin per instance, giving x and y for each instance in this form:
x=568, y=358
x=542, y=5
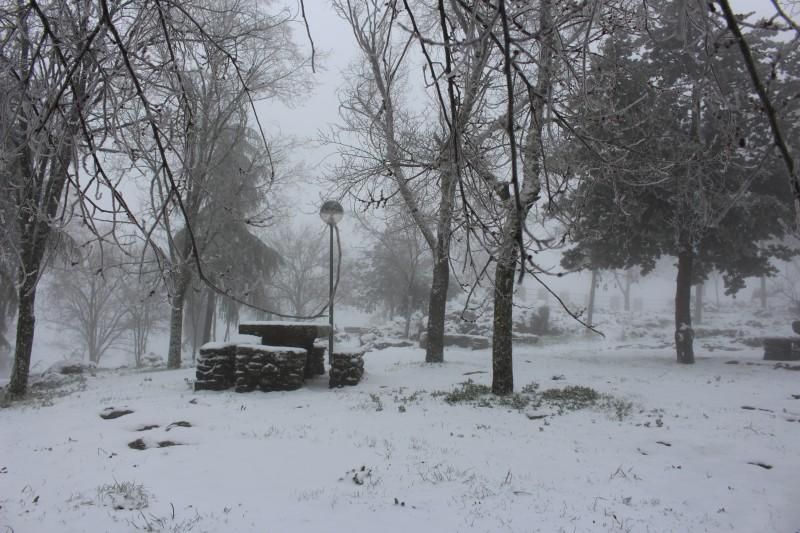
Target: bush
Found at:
x=125, y=495
x=571, y=398
x=469, y=391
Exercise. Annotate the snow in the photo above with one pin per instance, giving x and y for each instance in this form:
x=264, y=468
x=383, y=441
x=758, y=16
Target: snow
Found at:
x=391, y=455
x=217, y=346
x=260, y=323
x=264, y=348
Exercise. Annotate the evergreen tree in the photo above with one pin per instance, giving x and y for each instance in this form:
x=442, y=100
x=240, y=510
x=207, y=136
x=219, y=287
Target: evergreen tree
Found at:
x=675, y=159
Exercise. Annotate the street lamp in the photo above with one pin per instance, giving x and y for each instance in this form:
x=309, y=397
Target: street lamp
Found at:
x=331, y=213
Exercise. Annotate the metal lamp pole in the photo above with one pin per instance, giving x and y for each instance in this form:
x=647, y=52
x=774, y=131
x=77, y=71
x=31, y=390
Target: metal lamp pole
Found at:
x=331, y=213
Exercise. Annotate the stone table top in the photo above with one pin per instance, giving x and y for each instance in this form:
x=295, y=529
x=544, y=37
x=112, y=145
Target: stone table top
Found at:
x=277, y=333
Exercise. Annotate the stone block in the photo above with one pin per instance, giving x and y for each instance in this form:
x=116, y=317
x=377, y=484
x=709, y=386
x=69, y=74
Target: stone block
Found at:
x=215, y=368
x=347, y=369
x=269, y=368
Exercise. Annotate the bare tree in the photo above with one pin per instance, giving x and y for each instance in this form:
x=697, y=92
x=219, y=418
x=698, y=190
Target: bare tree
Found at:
x=415, y=155
x=143, y=297
x=88, y=299
x=220, y=176
x=50, y=83
x=395, y=267
x=624, y=282
x=71, y=74
x=300, y=282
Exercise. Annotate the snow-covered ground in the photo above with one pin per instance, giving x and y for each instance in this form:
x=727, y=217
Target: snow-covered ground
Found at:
x=392, y=455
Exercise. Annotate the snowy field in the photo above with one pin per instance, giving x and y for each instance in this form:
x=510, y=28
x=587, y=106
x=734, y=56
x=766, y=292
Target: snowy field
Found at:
x=709, y=447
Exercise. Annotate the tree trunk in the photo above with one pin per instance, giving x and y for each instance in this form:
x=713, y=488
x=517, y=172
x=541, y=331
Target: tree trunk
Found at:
x=590, y=307
x=26, y=320
x=628, y=284
x=698, y=303
x=437, y=305
x=407, y=327
x=763, y=292
x=437, y=308
x=502, y=348
x=176, y=319
x=684, y=335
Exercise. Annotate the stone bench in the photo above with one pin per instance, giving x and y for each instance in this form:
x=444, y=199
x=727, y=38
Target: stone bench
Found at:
x=347, y=368
x=782, y=348
x=216, y=366
x=296, y=334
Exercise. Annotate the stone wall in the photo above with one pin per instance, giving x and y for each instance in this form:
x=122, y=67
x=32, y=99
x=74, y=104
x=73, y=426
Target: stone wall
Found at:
x=347, y=368
x=215, y=366
x=269, y=368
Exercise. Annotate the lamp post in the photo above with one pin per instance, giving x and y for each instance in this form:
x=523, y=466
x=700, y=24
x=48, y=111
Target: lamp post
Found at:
x=331, y=213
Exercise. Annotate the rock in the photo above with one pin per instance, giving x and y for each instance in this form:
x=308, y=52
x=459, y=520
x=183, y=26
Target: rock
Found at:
x=753, y=342
x=384, y=343
x=71, y=366
x=152, y=360
x=356, y=330
x=701, y=332
x=137, y=444
x=524, y=338
x=535, y=415
x=473, y=342
x=110, y=413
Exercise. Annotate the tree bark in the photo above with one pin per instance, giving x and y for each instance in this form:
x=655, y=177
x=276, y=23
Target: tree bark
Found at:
x=437, y=303
x=590, y=307
x=409, y=301
x=176, y=319
x=698, y=303
x=502, y=348
x=437, y=307
x=684, y=335
x=628, y=284
x=518, y=207
x=26, y=321
x=35, y=213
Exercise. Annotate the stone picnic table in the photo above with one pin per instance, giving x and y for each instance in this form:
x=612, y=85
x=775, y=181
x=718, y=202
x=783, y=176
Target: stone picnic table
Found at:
x=277, y=333
x=292, y=334
x=286, y=356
